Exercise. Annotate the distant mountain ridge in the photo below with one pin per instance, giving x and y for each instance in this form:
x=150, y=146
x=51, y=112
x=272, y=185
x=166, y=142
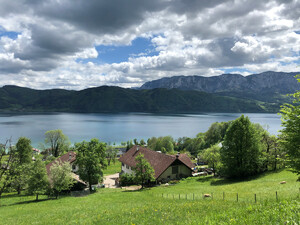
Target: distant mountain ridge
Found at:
x=263, y=92
x=275, y=82
x=115, y=99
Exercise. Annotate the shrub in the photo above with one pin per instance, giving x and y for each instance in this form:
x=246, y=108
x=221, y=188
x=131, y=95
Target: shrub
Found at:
x=126, y=179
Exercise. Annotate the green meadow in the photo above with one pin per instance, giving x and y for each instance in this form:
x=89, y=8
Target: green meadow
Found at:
x=161, y=205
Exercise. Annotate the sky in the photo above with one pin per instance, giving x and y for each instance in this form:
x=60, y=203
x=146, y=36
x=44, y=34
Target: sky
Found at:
x=77, y=44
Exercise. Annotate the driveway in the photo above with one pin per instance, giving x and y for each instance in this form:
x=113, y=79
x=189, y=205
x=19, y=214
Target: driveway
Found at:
x=109, y=180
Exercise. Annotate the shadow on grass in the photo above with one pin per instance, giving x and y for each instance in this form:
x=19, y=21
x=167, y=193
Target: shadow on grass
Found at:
x=214, y=181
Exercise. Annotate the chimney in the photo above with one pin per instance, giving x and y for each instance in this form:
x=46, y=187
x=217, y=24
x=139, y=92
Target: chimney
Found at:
x=177, y=156
x=70, y=155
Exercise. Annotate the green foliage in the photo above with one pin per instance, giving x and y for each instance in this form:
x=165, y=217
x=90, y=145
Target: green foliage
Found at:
x=111, y=154
x=8, y=161
x=241, y=149
x=24, y=150
x=59, y=143
x=127, y=179
x=38, y=181
x=91, y=160
x=144, y=172
x=116, y=99
x=289, y=138
x=113, y=168
x=216, y=133
x=129, y=145
x=119, y=206
x=61, y=177
x=24, y=159
x=163, y=144
x=212, y=156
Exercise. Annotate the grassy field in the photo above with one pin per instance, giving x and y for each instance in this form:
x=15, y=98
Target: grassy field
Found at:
x=157, y=206
x=113, y=168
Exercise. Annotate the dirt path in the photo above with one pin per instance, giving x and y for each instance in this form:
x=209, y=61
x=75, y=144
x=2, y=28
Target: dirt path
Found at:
x=109, y=180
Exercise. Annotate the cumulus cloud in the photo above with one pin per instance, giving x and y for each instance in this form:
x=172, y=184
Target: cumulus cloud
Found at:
x=190, y=38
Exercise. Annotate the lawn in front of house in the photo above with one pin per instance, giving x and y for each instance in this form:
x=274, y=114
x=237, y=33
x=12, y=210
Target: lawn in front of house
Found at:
x=148, y=206
x=113, y=168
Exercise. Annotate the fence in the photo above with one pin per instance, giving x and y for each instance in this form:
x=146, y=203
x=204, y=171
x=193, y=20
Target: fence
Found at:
x=230, y=196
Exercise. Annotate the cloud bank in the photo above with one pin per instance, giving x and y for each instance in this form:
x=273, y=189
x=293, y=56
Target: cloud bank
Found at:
x=57, y=44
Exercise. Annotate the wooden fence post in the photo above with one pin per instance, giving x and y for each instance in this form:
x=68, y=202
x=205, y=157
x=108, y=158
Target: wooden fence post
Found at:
x=237, y=197
x=276, y=196
x=193, y=196
x=223, y=195
x=255, y=197
x=179, y=195
x=212, y=196
x=185, y=196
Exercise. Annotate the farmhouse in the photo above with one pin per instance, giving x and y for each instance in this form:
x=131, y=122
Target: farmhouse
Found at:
x=166, y=167
x=69, y=157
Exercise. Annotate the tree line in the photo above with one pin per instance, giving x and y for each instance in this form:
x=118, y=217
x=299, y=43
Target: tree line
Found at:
x=234, y=149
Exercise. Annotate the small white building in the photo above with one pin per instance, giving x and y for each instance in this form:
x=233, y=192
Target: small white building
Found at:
x=166, y=167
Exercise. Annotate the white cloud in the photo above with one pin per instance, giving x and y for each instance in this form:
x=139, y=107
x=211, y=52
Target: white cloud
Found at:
x=191, y=38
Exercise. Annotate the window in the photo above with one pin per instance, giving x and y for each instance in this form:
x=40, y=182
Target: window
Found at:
x=122, y=164
x=174, y=169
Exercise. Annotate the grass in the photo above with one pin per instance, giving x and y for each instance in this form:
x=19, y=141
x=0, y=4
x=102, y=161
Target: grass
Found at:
x=116, y=206
x=113, y=168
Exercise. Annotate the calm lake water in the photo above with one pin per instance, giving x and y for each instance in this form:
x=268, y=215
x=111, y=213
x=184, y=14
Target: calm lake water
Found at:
x=119, y=127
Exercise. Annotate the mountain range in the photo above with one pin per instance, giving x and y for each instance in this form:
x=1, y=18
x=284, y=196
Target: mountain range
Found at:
x=191, y=94
x=268, y=86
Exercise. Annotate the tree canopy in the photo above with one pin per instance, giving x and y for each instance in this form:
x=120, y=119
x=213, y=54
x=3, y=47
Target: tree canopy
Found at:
x=212, y=156
x=58, y=142
x=91, y=160
x=290, y=134
x=38, y=182
x=144, y=172
x=241, y=149
x=61, y=177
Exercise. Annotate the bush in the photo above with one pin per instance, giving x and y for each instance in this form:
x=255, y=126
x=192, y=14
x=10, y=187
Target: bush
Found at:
x=126, y=179
x=174, y=182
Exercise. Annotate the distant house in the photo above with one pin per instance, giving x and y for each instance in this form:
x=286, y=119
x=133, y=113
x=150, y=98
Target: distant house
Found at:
x=166, y=167
x=35, y=151
x=69, y=157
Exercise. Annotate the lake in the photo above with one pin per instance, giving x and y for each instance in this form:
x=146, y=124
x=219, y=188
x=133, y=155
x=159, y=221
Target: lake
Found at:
x=120, y=127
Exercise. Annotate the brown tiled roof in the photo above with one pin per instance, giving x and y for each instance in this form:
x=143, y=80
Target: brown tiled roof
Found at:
x=159, y=161
x=68, y=157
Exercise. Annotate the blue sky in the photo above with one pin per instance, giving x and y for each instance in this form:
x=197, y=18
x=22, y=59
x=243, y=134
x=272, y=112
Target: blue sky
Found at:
x=121, y=53
x=127, y=43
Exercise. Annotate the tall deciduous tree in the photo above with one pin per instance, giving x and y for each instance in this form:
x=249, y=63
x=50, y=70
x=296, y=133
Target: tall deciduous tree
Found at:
x=111, y=154
x=241, y=149
x=59, y=143
x=8, y=159
x=38, y=181
x=24, y=150
x=24, y=159
x=144, y=172
x=61, y=177
x=91, y=160
x=212, y=156
x=290, y=134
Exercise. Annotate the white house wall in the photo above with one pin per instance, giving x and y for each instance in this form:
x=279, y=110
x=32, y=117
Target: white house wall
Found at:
x=127, y=169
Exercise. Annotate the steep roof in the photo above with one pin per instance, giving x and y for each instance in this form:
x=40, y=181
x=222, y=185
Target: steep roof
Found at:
x=68, y=157
x=159, y=161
